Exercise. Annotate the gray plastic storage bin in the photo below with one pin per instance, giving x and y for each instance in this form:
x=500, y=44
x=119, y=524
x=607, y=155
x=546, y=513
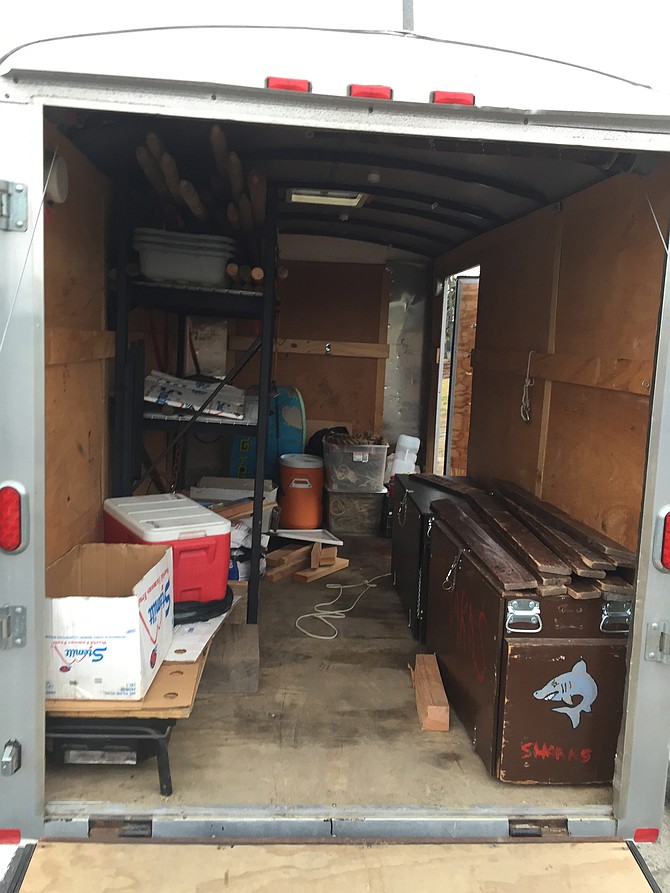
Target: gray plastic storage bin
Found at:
x=349, y=513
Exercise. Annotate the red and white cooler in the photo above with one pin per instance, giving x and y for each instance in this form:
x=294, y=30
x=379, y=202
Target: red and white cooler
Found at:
x=199, y=538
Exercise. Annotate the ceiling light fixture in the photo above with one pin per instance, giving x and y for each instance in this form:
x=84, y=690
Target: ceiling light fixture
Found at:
x=326, y=197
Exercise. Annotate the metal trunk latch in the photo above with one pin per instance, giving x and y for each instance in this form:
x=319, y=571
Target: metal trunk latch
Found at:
x=12, y=626
x=657, y=642
x=402, y=509
x=13, y=207
x=523, y=616
x=616, y=616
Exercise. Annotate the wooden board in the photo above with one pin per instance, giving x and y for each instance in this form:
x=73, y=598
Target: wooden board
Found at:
x=318, y=348
x=432, y=705
x=171, y=696
x=309, y=576
x=560, y=520
x=533, y=553
x=328, y=868
x=507, y=572
x=583, y=590
x=610, y=373
x=559, y=545
x=283, y=556
x=613, y=584
x=65, y=346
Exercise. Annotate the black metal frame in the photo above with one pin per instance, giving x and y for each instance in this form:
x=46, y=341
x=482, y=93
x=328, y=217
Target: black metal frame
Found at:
x=154, y=734
x=227, y=303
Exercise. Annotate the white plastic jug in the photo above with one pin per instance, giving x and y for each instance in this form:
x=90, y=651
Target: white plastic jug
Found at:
x=406, y=451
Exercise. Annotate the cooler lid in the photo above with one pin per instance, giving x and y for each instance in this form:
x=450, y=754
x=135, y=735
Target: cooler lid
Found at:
x=300, y=460
x=165, y=516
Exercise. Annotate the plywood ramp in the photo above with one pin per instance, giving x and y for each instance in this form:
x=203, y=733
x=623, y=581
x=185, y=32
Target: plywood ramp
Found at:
x=386, y=868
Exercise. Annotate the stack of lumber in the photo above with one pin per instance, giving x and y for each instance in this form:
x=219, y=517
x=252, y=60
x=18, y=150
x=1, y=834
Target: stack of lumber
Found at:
x=304, y=563
x=530, y=545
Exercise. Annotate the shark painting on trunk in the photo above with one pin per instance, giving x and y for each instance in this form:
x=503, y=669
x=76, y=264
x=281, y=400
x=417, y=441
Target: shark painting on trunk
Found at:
x=568, y=686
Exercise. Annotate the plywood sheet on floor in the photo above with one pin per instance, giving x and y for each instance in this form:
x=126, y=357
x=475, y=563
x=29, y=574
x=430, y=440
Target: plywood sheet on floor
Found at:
x=332, y=724
x=460, y=868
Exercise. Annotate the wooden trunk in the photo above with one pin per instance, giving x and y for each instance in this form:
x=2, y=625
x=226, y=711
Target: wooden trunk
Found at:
x=543, y=698
x=410, y=547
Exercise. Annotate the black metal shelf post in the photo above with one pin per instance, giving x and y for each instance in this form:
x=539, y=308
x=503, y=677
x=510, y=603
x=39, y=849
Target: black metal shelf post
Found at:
x=267, y=337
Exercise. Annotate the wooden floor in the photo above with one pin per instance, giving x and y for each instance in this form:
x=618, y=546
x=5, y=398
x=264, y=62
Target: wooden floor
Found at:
x=333, y=723
x=458, y=868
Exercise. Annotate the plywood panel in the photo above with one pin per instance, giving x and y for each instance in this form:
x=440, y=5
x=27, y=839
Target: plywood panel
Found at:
x=74, y=244
x=461, y=379
x=330, y=302
x=516, y=285
x=611, y=268
x=338, y=388
x=75, y=464
x=594, y=462
x=581, y=287
x=501, y=444
x=393, y=868
x=77, y=350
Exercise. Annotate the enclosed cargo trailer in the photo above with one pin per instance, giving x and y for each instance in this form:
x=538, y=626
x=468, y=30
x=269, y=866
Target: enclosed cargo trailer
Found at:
x=560, y=208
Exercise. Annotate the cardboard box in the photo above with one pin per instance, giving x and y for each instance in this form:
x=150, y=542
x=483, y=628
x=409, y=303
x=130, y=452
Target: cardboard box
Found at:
x=109, y=620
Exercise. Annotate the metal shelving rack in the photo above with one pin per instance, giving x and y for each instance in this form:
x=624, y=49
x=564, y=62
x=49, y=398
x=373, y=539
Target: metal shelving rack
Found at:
x=227, y=303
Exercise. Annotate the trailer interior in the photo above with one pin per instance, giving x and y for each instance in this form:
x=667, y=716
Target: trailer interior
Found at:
x=571, y=267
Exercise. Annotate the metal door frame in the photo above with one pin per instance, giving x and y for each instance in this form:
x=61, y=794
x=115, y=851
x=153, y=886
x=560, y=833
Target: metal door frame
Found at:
x=22, y=460
x=640, y=776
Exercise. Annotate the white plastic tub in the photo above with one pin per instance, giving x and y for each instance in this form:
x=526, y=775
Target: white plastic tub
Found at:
x=182, y=257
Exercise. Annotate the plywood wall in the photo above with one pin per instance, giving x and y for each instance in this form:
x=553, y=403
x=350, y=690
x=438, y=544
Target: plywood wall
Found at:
x=78, y=351
x=342, y=305
x=579, y=286
x=461, y=378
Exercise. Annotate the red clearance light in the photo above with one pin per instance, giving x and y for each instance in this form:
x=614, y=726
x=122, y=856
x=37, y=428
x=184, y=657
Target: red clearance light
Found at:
x=444, y=97
x=645, y=835
x=370, y=91
x=294, y=84
x=10, y=835
x=10, y=519
x=665, y=546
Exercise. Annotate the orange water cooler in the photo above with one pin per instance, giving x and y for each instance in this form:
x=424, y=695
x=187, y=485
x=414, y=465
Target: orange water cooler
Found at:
x=301, y=491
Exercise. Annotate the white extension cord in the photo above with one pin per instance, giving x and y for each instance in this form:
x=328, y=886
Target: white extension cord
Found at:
x=327, y=616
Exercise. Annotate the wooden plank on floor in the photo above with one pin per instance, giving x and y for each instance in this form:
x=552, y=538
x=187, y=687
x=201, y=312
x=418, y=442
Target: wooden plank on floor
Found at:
x=327, y=868
x=233, y=665
x=431, y=700
x=286, y=554
x=309, y=576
